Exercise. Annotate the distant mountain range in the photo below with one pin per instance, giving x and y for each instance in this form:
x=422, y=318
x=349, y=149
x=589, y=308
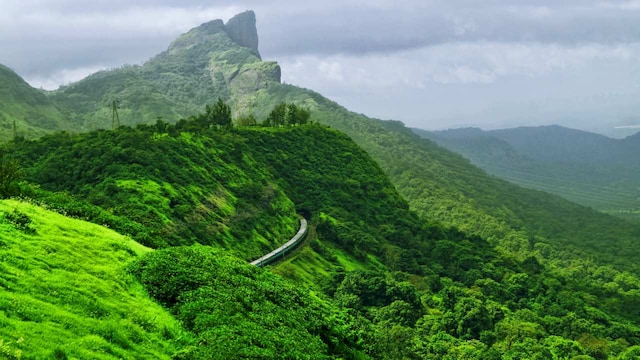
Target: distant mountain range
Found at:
x=584, y=167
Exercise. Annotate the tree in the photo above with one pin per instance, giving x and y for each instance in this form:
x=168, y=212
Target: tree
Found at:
x=247, y=120
x=297, y=115
x=278, y=116
x=287, y=114
x=10, y=175
x=219, y=114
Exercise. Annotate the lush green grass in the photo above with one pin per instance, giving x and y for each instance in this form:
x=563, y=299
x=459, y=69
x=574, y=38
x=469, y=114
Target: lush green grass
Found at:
x=65, y=291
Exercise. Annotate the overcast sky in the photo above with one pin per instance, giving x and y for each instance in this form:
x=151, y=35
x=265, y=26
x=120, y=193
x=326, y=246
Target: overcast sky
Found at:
x=432, y=64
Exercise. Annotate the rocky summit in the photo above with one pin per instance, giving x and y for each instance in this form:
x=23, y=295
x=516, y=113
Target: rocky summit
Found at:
x=242, y=29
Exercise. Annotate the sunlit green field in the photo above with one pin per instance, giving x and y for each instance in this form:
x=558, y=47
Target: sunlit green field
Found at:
x=65, y=292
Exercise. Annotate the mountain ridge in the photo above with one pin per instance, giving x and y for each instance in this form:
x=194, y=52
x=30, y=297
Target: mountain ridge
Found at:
x=432, y=257
x=236, y=75
x=584, y=167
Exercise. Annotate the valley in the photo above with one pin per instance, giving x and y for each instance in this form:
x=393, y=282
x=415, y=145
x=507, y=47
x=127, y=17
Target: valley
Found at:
x=587, y=168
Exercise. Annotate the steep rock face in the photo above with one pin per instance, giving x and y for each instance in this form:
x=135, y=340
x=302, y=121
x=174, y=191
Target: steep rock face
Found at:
x=242, y=29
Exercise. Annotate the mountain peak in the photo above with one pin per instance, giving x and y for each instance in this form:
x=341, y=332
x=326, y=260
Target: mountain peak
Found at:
x=211, y=27
x=242, y=29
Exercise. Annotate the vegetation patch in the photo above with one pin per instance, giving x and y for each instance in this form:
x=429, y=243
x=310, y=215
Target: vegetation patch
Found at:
x=65, y=293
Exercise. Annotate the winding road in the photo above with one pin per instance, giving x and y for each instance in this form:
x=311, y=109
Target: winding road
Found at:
x=279, y=252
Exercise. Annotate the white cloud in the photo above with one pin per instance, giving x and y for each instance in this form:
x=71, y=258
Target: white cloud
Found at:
x=457, y=63
x=63, y=77
x=622, y=5
x=136, y=20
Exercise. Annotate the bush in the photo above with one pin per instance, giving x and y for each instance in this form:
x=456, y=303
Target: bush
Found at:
x=20, y=221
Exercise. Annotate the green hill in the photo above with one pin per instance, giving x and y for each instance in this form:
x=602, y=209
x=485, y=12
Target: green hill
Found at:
x=586, y=168
x=167, y=189
x=385, y=283
x=196, y=69
x=482, y=269
x=33, y=113
x=65, y=292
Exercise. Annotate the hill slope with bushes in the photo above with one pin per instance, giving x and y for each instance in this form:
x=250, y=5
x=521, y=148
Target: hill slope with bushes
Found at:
x=30, y=110
x=390, y=284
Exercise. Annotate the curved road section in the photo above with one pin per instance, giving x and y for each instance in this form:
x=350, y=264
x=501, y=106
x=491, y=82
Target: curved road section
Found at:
x=279, y=252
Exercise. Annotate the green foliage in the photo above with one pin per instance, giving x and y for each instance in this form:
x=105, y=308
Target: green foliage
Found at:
x=248, y=120
x=64, y=292
x=237, y=310
x=10, y=176
x=164, y=188
x=217, y=115
x=287, y=114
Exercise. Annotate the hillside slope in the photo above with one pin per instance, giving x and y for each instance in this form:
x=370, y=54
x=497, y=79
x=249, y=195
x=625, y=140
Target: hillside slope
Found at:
x=65, y=292
x=586, y=168
x=385, y=283
x=200, y=66
x=486, y=269
x=167, y=189
x=34, y=114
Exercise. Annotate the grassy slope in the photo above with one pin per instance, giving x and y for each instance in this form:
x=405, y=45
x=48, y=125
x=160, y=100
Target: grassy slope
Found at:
x=64, y=290
x=34, y=114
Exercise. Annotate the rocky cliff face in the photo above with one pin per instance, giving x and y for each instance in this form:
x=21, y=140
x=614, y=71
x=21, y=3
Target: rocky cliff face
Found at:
x=242, y=29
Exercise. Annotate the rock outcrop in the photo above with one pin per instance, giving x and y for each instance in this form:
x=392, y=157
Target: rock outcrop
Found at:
x=242, y=29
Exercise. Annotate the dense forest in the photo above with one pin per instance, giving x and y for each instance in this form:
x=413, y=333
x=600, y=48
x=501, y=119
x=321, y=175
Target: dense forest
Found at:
x=381, y=281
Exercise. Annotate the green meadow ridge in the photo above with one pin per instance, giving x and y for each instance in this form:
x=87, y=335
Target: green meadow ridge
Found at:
x=412, y=252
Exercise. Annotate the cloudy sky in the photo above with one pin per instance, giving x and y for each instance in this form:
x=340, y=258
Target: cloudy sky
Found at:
x=431, y=63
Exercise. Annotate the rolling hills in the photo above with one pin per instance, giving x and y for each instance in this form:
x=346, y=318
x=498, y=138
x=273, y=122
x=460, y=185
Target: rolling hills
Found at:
x=467, y=266
x=586, y=168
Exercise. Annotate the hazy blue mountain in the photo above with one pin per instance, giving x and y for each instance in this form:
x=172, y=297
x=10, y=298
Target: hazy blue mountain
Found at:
x=584, y=167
